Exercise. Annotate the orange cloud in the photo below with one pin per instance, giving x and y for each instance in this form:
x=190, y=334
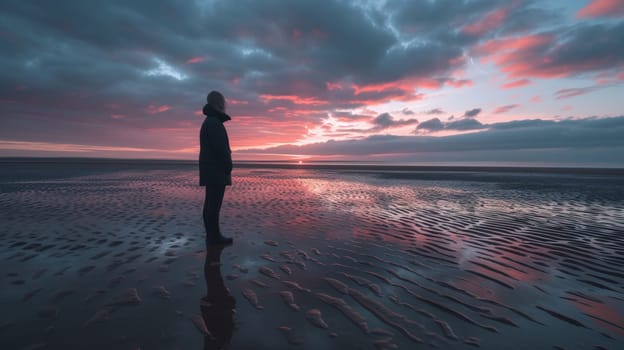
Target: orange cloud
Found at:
x=406, y=85
x=254, y=132
x=602, y=8
x=311, y=101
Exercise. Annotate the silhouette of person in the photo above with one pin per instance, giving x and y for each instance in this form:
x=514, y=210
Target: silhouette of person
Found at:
x=217, y=307
x=215, y=165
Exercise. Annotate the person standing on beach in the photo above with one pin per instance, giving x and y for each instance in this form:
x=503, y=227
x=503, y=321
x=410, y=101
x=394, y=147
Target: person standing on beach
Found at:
x=215, y=165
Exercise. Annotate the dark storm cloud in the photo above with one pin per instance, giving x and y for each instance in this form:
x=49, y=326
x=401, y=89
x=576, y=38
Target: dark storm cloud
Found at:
x=464, y=124
x=581, y=135
x=472, y=113
x=382, y=122
x=385, y=121
x=434, y=124
x=435, y=17
x=435, y=111
x=565, y=51
x=407, y=111
x=450, y=21
x=589, y=47
x=98, y=58
x=129, y=72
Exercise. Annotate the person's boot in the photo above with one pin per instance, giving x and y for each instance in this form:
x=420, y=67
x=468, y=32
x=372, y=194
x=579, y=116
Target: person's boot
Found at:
x=218, y=239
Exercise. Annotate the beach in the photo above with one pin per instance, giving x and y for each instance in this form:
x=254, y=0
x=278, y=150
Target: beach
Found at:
x=111, y=255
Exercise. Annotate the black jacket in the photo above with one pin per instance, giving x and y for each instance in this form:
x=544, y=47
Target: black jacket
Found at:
x=215, y=156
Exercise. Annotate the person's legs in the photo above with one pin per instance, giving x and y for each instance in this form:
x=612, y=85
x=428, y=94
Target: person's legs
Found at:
x=212, y=207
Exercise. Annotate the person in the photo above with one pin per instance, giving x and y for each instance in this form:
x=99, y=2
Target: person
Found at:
x=215, y=165
x=217, y=307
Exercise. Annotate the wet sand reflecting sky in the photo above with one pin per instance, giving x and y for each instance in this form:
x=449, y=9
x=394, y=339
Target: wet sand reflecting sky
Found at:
x=323, y=259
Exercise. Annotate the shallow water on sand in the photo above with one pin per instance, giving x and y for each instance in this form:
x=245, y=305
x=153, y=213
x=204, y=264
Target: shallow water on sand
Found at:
x=115, y=259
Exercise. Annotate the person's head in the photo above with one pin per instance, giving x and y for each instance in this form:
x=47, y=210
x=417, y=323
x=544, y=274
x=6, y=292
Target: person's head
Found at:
x=216, y=100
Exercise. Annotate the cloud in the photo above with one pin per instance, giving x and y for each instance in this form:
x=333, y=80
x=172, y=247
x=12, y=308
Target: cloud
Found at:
x=504, y=109
x=434, y=124
x=464, y=124
x=602, y=8
x=137, y=75
x=472, y=113
x=516, y=83
x=407, y=111
x=591, y=137
x=572, y=92
x=385, y=120
x=554, y=54
x=381, y=122
x=435, y=111
x=489, y=22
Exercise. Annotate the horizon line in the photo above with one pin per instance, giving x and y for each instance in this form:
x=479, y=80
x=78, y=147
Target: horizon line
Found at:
x=340, y=165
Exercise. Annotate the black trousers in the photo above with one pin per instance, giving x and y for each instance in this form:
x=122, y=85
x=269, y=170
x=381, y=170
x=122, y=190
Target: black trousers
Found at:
x=212, y=207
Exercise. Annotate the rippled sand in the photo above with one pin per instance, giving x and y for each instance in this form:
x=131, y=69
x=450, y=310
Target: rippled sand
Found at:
x=114, y=258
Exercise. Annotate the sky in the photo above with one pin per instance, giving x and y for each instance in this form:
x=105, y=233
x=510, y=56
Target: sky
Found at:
x=397, y=81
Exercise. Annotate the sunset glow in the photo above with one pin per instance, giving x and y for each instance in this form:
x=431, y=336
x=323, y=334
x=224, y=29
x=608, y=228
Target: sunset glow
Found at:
x=299, y=77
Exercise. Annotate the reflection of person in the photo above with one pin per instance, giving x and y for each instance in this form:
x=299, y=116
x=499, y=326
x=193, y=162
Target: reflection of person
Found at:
x=215, y=165
x=217, y=307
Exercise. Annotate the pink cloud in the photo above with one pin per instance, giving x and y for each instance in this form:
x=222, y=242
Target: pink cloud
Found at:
x=540, y=56
x=459, y=83
x=516, y=83
x=351, y=118
x=602, y=8
x=505, y=49
x=293, y=98
x=491, y=21
x=195, y=60
x=237, y=102
x=333, y=86
x=572, y=92
x=153, y=109
x=408, y=85
x=296, y=34
x=402, y=85
x=251, y=131
x=536, y=99
x=609, y=77
x=504, y=109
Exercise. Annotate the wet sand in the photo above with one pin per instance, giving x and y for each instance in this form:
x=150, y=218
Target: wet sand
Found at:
x=112, y=256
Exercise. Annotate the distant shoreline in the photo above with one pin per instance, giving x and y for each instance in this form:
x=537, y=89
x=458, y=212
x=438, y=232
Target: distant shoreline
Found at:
x=320, y=165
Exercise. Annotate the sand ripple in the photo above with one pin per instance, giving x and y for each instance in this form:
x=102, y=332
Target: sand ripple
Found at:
x=324, y=259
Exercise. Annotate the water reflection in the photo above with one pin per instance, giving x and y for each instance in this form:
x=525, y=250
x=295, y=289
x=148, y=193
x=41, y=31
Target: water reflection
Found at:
x=217, y=307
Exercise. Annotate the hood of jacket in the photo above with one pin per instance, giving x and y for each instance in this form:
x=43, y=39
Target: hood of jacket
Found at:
x=210, y=111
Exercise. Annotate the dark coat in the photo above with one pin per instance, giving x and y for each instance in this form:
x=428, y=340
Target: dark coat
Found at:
x=215, y=156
